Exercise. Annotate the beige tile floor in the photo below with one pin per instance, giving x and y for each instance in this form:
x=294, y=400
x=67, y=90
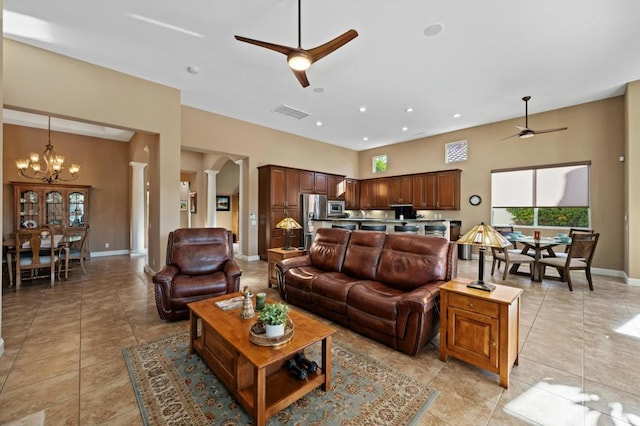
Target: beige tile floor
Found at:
x=578, y=360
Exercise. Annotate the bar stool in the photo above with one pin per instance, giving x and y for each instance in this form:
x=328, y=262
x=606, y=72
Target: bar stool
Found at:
x=437, y=230
x=350, y=227
x=373, y=227
x=411, y=229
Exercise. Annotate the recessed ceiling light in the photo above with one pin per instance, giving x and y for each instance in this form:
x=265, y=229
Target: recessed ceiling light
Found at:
x=405, y=128
x=363, y=109
x=318, y=89
x=457, y=115
x=318, y=123
x=408, y=109
x=193, y=69
x=365, y=139
x=433, y=29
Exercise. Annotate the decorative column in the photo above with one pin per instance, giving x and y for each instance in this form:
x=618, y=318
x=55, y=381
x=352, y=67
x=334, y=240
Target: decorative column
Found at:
x=211, y=198
x=241, y=231
x=137, y=208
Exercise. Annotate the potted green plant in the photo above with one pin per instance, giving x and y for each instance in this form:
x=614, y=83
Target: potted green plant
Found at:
x=274, y=316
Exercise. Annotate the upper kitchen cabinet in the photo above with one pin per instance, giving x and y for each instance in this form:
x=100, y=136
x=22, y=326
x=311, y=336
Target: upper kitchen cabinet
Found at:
x=401, y=190
x=352, y=196
x=437, y=190
x=336, y=187
x=313, y=182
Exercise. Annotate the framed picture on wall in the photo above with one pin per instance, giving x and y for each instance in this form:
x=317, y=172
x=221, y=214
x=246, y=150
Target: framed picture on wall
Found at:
x=223, y=203
x=183, y=205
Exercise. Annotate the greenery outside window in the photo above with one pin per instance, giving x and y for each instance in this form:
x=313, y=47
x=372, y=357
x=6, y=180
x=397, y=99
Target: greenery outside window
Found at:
x=542, y=196
x=379, y=163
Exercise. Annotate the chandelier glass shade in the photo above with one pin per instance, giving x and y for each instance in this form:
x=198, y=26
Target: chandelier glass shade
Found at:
x=52, y=170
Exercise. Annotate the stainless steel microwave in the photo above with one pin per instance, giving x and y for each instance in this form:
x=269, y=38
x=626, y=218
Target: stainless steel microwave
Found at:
x=335, y=208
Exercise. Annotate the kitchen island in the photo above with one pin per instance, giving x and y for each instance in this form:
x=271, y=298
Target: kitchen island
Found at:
x=388, y=222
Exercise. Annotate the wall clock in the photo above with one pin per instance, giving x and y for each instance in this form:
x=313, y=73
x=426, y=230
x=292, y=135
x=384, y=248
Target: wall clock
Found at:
x=474, y=200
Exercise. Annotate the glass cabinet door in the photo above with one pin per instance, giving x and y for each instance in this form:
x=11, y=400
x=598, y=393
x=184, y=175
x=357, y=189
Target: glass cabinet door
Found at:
x=76, y=209
x=29, y=209
x=53, y=207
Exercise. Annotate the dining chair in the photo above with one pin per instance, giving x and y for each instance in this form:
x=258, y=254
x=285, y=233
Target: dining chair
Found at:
x=583, y=247
x=73, y=255
x=572, y=232
x=510, y=258
x=506, y=230
x=33, y=256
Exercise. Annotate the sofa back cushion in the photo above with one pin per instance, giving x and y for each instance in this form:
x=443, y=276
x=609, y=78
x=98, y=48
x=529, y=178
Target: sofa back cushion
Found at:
x=409, y=261
x=363, y=254
x=328, y=248
x=199, y=251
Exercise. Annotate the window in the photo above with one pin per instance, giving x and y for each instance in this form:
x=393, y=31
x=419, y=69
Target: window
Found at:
x=455, y=151
x=544, y=196
x=379, y=163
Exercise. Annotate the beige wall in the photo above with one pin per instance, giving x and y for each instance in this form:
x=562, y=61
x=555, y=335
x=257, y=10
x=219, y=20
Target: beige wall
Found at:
x=596, y=133
x=632, y=181
x=208, y=132
x=104, y=164
x=41, y=81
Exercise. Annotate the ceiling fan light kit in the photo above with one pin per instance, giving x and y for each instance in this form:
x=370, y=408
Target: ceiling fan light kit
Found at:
x=300, y=59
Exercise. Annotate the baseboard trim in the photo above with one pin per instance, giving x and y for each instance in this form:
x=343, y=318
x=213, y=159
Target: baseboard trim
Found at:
x=108, y=253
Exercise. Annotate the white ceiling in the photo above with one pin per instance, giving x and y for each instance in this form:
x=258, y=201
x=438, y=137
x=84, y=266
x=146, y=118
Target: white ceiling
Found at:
x=489, y=55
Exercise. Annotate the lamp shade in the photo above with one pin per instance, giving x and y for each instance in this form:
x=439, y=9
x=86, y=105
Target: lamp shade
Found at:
x=485, y=236
x=288, y=223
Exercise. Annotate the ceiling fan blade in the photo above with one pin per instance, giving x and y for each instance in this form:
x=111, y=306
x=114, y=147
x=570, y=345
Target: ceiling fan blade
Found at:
x=323, y=50
x=521, y=128
x=535, y=132
x=276, y=47
x=509, y=137
x=302, y=77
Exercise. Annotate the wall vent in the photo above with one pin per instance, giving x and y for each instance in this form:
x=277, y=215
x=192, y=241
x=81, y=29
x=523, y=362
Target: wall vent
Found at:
x=290, y=112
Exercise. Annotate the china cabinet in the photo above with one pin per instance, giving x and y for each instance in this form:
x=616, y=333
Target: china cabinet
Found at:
x=37, y=204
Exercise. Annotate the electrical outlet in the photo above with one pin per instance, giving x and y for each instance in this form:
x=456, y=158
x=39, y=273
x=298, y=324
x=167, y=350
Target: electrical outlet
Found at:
x=106, y=245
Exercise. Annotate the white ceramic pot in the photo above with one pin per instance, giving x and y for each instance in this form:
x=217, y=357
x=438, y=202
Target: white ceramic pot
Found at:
x=274, y=330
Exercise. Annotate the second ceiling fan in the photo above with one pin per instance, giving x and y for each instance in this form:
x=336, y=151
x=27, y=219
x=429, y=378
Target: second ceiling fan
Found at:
x=526, y=132
x=300, y=59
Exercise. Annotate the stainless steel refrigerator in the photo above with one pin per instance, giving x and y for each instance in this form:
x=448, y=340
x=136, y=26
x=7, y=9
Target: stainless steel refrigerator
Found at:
x=313, y=207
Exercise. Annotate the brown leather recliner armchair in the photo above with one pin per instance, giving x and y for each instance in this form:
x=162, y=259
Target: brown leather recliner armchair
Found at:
x=199, y=265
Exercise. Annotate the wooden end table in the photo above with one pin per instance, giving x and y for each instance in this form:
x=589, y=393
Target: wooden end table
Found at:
x=480, y=327
x=276, y=254
x=257, y=375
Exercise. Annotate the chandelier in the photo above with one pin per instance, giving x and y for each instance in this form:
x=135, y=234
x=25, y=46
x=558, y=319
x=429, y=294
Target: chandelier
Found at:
x=50, y=172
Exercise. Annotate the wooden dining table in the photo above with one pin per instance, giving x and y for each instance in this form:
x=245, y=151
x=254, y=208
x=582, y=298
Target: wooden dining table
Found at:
x=62, y=242
x=538, y=246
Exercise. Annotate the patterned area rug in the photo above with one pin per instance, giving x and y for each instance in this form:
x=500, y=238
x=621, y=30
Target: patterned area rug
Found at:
x=174, y=387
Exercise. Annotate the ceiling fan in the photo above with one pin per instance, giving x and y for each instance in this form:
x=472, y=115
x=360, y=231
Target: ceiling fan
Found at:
x=300, y=59
x=526, y=132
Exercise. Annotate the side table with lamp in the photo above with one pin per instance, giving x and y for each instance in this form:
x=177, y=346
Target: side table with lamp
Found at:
x=479, y=321
x=274, y=255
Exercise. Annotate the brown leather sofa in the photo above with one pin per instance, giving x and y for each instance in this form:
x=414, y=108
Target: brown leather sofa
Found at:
x=383, y=286
x=199, y=265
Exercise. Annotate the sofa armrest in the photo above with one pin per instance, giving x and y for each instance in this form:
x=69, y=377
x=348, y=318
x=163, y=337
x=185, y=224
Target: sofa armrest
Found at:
x=293, y=262
x=419, y=301
x=163, y=281
x=233, y=273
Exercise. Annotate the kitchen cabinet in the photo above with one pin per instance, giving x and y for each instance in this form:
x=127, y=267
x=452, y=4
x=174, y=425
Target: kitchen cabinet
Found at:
x=401, y=190
x=479, y=327
x=437, y=190
x=37, y=204
x=278, y=198
x=336, y=187
x=374, y=193
x=352, y=196
x=313, y=182
x=382, y=193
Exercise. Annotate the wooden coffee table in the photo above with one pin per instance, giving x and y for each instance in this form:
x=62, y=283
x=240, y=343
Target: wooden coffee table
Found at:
x=257, y=375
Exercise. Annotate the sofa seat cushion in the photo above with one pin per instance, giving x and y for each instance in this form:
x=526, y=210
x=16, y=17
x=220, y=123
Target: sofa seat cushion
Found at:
x=330, y=291
x=374, y=305
x=186, y=286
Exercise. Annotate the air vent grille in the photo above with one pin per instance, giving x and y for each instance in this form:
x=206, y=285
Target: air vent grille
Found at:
x=290, y=112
